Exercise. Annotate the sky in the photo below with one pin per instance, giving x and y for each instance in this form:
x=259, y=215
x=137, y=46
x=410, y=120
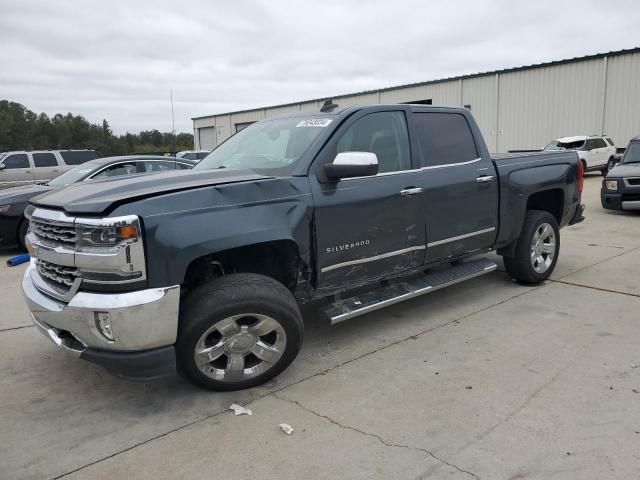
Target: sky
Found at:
x=119, y=59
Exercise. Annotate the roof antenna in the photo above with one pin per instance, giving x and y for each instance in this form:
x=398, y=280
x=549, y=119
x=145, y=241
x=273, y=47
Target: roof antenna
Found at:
x=328, y=106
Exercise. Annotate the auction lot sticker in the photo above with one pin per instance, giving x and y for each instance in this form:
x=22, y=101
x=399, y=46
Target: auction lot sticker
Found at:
x=314, y=122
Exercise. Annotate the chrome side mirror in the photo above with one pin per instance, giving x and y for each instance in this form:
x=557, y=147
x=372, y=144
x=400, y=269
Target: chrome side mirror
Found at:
x=352, y=164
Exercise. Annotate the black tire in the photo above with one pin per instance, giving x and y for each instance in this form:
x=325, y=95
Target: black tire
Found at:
x=22, y=233
x=610, y=164
x=520, y=267
x=228, y=296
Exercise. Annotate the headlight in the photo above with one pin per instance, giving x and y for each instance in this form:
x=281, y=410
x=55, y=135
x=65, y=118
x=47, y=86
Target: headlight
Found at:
x=105, y=236
x=611, y=185
x=110, y=250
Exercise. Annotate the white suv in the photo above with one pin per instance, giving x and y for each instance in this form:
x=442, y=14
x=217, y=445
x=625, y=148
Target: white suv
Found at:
x=597, y=152
x=23, y=168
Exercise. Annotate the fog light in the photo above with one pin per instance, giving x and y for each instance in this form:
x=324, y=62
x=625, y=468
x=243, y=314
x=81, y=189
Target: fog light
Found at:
x=611, y=184
x=103, y=324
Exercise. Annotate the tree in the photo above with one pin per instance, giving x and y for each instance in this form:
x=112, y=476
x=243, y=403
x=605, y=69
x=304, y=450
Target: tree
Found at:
x=22, y=129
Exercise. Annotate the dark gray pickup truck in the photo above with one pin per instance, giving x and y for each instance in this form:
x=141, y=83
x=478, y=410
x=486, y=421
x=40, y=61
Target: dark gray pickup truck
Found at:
x=203, y=271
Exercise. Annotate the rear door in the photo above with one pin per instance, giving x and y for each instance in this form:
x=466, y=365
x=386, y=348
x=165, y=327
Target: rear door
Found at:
x=16, y=170
x=45, y=166
x=460, y=199
x=366, y=228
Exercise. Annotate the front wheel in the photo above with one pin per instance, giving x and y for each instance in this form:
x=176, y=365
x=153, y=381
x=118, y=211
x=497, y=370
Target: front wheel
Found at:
x=537, y=248
x=610, y=164
x=238, y=331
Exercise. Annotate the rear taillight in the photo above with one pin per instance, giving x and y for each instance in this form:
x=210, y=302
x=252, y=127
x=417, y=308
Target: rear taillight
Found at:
x=580, y=175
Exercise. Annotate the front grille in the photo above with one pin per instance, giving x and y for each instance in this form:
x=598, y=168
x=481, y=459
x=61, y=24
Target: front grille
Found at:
x=633, y=181
x=59, y=277
x=55, y=234
x=631, y=197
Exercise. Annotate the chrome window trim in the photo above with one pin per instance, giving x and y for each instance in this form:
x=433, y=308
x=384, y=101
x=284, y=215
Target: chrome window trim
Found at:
x=447, y=165
x=460, y=237
x=90, y=177
x=414, y=170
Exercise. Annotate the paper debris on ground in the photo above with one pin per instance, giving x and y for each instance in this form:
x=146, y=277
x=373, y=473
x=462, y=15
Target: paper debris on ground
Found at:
x=286, y=428
x=240, y=410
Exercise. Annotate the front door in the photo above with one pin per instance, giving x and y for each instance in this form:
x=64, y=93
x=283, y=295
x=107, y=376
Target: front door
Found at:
x=16, y=170
x=46, y=166
x=368, y=228
x=460, y=199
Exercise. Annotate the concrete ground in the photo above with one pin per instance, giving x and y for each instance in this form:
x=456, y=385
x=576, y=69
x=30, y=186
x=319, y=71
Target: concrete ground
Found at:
x=487, y=379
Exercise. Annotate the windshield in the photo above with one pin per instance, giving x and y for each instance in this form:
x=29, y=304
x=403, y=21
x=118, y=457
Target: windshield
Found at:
x=557, y=145
x=271, y=145
x=74, y=175
x=632, y=153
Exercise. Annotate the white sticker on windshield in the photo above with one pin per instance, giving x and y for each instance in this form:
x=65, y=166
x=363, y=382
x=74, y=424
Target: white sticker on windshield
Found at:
x=314, y=122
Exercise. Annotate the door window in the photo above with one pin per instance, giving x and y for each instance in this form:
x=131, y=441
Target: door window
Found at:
x=445, y=138
x=158, y=166
x=44, y=160
x=599, y=143
x=118, y=170
x=77, y=157
x=382, y=133
x=17, y=160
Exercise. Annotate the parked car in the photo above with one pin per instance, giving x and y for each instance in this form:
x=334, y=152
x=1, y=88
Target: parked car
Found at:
x=13, y=201
x=621, y=187
x=192, y=154
x=597, y=152
x=25, y=168
x=205, y=269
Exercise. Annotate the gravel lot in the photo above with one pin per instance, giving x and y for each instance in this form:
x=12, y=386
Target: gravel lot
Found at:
x=487, y=379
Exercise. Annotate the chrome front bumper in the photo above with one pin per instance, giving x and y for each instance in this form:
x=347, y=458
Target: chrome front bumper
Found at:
x=140, y=320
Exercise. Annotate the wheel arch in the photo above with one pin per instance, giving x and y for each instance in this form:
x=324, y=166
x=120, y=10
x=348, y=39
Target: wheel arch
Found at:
x=278, y=259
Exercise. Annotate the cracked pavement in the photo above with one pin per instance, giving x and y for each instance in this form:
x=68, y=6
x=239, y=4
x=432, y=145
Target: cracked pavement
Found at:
x=486, y=379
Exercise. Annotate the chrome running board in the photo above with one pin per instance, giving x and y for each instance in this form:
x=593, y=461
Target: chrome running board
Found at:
x=357, y=305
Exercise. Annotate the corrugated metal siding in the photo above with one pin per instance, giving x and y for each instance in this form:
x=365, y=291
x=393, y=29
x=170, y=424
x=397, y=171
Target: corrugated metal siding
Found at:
x=521, y=109
x=481, y=93
x=536, y=106
x=274, y=112
x=622, y=110
x=445, y=93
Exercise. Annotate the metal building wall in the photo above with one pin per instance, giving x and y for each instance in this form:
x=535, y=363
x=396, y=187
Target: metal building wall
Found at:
x=517, y=109
x=481, y=94
x=536, y=106
x=622, y=107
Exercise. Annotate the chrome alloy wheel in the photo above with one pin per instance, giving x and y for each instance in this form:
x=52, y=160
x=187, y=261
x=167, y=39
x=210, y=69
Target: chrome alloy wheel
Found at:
x=240, y=347
x=543, y=248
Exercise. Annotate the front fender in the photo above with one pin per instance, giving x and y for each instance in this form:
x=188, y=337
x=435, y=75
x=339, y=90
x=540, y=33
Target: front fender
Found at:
x=184, y=226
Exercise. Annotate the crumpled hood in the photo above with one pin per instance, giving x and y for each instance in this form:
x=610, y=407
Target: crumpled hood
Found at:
x=96, y=197
x=624, y=170
x=14, y=195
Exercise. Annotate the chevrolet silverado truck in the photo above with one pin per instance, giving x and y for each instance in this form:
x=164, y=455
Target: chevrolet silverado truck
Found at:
x=203, y=271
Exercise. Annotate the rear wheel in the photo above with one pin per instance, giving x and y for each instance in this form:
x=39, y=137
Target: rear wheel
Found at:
x=238, y=331
x=536, y=250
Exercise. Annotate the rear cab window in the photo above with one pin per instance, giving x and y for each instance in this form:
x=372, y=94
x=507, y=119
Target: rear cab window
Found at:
x=445, y=138
x=77, y=157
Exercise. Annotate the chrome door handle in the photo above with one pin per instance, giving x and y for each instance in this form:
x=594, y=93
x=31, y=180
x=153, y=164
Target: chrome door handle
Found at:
x=407, y=192
x=485, y=179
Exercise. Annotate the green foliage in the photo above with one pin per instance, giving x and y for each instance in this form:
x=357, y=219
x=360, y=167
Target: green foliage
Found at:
x=22, y=129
